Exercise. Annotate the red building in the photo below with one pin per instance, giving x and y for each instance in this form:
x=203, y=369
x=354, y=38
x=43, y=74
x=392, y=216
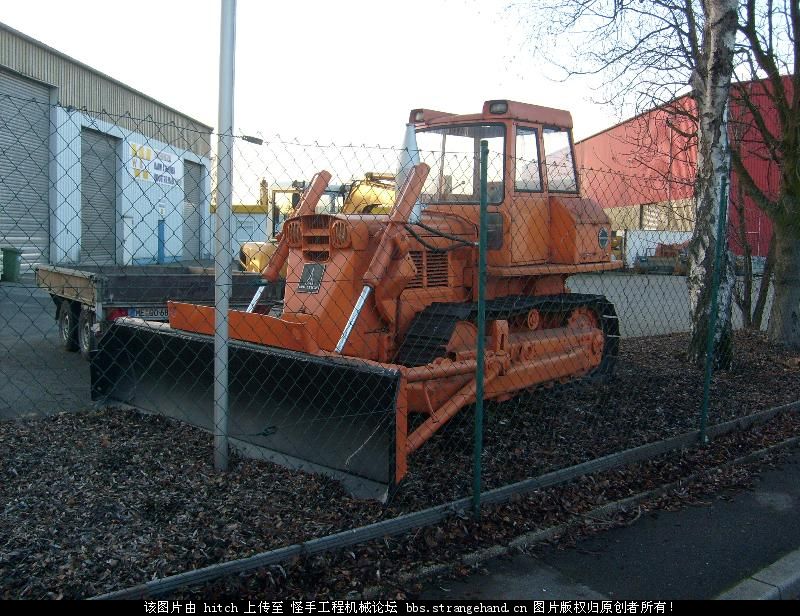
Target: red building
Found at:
x=642, y=170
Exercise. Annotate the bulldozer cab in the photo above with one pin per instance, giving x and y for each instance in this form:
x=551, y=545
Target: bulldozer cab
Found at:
x=536, y=213
x=530, y=152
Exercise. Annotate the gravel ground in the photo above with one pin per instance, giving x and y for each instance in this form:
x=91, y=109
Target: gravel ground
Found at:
x=97, y=501
x=654, y=395
x=383, y=564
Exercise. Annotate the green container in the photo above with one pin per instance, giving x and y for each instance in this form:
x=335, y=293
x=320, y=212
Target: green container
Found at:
x=11, y=261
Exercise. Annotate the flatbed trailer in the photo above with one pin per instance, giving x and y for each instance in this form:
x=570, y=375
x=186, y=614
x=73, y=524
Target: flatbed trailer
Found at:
x=89, y=298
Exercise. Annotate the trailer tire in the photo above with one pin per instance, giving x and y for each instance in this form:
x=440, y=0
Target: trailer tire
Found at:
x=68, y=326
x=86, y=338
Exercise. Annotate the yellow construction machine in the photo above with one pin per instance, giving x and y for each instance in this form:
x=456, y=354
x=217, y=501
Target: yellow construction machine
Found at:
x=374, y=194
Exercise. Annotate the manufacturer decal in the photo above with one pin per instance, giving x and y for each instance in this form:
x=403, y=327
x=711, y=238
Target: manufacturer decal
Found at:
x=602, y=237
x=311, y=279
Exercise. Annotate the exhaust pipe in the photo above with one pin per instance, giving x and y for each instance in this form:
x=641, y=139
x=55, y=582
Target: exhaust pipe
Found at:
x=409, y=158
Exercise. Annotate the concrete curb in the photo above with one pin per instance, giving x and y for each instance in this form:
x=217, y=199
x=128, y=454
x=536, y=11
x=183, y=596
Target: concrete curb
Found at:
x=527, y=540
x=781, y=580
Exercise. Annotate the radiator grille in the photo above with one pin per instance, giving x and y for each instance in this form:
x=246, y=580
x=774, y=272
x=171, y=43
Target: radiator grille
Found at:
x=317, y=222
x=316, y=239
x=315, y=255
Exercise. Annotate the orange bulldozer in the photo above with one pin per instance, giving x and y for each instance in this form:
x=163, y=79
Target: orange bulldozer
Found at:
x=375, y=348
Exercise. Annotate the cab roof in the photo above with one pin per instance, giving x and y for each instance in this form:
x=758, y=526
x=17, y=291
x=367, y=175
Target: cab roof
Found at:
x=493, y=110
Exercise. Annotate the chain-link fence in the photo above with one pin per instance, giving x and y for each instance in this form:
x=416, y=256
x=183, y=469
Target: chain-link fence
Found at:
x=355, y=356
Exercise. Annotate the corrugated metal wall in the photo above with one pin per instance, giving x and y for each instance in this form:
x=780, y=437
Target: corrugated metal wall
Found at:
x=757, y=160
x=24, y=160
x=642, y=162
x=81, y=87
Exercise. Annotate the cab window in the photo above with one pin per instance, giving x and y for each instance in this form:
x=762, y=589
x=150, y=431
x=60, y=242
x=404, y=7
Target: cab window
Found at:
x=528, y=174
x=453, y=153
x=559, y=161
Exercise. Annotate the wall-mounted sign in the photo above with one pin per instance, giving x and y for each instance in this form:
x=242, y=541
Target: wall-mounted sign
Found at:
x=150, y=165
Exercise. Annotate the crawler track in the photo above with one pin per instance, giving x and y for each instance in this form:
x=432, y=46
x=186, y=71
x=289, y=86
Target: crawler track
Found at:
x=431, y=329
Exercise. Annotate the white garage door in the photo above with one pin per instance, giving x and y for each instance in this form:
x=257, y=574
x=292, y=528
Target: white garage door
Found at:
x=99, y=245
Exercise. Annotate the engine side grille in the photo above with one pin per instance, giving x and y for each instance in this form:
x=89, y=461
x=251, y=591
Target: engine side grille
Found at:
x=432, y=269
x=437, y=272
x=416, y=256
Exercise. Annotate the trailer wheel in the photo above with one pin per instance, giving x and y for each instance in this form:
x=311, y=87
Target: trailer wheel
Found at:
x=86, y=338
x=67, y=326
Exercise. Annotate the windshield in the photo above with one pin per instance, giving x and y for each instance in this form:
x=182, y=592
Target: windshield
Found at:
x=453, y=154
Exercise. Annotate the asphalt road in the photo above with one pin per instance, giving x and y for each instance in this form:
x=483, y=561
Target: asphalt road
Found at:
x=693, y=553
x=37, y=377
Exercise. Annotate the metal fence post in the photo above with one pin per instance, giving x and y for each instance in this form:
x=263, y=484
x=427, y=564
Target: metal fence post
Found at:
x=222, y=263
x=479, y=370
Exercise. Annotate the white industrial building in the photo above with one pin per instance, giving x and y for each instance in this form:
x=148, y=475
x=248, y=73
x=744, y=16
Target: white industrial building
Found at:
x=93, y=171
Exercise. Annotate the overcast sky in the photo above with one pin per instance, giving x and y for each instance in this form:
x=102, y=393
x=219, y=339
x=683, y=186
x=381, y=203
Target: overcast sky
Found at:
x=347, y=71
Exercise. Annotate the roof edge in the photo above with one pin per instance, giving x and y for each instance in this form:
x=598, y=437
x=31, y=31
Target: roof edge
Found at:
x=82, y=65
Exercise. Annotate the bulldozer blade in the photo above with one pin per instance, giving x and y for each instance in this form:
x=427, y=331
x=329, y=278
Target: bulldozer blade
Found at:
x=334, y=416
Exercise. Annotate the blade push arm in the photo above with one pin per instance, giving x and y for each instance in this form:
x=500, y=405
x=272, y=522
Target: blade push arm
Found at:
x=389, y=241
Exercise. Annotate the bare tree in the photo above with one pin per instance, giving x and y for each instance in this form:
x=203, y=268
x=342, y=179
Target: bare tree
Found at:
x=767, y=100
x=648, y=53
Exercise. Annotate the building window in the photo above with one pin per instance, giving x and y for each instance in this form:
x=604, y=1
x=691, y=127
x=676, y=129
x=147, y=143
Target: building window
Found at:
x=245, y=231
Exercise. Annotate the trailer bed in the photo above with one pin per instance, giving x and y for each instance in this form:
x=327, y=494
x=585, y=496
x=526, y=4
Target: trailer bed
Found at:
x=88, y=298
x=144, y=285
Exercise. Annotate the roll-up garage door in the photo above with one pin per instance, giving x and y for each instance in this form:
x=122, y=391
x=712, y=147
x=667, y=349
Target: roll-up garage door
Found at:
x=99, y=162
x=24, y=157
x=194, y=197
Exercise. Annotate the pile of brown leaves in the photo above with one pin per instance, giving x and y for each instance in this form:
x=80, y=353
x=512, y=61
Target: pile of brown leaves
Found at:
x=97, y=501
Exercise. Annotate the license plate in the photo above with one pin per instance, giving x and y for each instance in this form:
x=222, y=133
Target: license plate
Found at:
x=155, y=314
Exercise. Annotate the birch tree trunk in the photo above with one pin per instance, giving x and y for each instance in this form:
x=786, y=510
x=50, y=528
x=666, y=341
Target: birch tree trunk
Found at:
x=711, y=84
